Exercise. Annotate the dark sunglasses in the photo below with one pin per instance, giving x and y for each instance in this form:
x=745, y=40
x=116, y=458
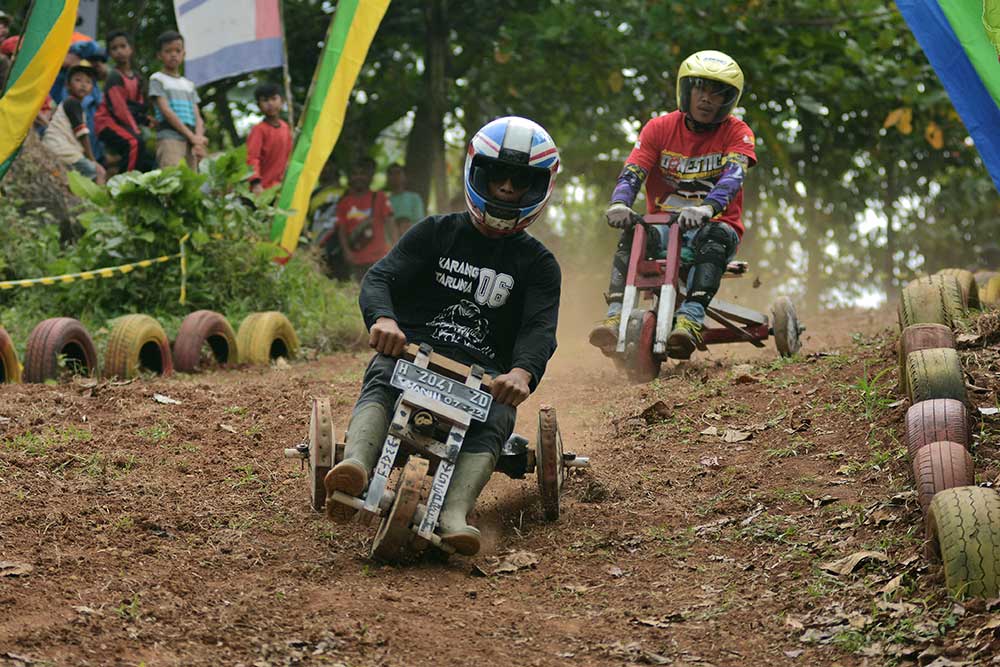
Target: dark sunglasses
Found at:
x=498, y=172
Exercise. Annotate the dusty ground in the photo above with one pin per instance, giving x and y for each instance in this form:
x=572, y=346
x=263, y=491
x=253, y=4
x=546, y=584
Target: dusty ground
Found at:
x=138, y=533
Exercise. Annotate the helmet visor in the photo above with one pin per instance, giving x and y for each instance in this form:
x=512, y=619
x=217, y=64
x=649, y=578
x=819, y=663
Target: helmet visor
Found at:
x=531, y=184
x=728, y=94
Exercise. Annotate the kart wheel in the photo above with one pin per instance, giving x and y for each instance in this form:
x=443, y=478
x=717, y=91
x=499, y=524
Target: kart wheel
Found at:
x=990, y=294
x=394, y=534
x=963, y=528
x=935, y=373
x=550, y=461
x=137, y=342
x=921, y=337
x=967, y=282
x=266, y=336
x=643, y=366
x=940, y=419
x=10, y=367
x=321, y=449
x=939, y=466
x=932, y=299
x=785, y=324
x=197, y=329
x=55, y=342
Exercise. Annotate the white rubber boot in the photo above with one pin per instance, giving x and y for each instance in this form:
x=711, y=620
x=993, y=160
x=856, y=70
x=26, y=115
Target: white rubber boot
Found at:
x=472, y=472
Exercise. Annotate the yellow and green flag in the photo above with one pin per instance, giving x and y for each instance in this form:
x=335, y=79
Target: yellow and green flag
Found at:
x=42, y=50
x=354, y=25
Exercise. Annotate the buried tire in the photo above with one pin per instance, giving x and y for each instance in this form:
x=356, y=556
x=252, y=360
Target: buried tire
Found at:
x=939, y=466
x=932, y=300
x=963, y=530
x=56, y=345
x=921, y=337
x=983, y=277
x=785, y=324
x=967, y=283
x=137, y=342
x=990, y=294
x=10, y=367
x=940, y=419
x=933, y=374
x=201, y=328
x=266, y=336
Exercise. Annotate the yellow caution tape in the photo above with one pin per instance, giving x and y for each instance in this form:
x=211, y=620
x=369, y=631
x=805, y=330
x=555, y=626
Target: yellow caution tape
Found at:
x=108, y=272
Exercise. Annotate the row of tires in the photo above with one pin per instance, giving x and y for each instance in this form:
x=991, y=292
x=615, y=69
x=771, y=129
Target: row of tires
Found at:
x=962, y=520
x=61, y=346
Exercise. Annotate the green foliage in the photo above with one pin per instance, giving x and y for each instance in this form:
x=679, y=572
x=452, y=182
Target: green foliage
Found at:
x=230, y=260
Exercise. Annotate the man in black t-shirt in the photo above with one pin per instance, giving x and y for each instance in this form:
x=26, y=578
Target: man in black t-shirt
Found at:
x=477, y=288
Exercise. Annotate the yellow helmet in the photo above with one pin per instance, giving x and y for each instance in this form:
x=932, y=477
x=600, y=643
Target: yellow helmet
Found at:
x=713, y=66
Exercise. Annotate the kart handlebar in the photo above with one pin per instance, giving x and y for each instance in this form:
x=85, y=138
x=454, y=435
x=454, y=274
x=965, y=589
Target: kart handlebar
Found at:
x=660, y=218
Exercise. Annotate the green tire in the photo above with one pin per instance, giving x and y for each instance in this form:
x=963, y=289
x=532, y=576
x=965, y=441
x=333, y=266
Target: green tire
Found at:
x=935, y=373
x=967, y=283
x=932, y=300
x=963, y=527
x=990, y=294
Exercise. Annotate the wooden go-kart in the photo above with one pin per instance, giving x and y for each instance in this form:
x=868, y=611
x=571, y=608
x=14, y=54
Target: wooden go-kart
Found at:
x=643, y=331
x=440, y=400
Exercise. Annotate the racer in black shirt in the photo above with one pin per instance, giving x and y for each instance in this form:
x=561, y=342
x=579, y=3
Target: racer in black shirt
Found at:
x=477, y=288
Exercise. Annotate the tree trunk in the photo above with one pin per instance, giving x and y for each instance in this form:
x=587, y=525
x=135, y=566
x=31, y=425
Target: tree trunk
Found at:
x=221, y=99
x=812, y=244
x=435, y=60
x=889, y=260
x=418, y=150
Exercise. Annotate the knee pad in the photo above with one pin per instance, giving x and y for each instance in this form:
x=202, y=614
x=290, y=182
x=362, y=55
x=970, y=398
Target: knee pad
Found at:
x=712, y=249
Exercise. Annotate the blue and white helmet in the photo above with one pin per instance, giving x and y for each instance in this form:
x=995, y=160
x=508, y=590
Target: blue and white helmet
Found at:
x=522, y=150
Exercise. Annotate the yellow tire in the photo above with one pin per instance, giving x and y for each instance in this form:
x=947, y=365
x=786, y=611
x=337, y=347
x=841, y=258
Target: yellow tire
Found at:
x=10, y=367
x=137, y=342
x=967, y=281
x=964, y=534
x=266, y=336
x=990, y=294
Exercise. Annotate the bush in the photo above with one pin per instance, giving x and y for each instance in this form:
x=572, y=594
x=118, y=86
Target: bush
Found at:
x=230, y=260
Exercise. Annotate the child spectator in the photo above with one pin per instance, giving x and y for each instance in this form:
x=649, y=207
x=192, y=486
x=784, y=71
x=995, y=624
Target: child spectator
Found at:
x=123, y=109
x=365, y=227
x=68, y=137
x=180, y=134
x=270, y=141
x=5, y=22
x=407, y=206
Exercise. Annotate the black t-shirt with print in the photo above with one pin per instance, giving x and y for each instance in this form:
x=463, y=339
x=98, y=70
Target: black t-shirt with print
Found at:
x=493, y=302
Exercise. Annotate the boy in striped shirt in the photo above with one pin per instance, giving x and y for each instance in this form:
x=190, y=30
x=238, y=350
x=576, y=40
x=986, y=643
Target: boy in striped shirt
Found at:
x=181, y=132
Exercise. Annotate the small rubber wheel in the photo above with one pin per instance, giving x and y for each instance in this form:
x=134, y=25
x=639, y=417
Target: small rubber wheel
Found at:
x=990, y=294
x=266, y=336
x=967, y=282
x=394, y=534
x=936, y=420
x=939, y=466
x=933, y=300
x=550, y=461
x=58, y=345
x=10, y=367
x=935, y=373
x=201, y=328
x=921, y=337
x=785, y=324
x=137, y=342
x=642, y=365
x=983, y=277
x=321, y=450
x=964, y=534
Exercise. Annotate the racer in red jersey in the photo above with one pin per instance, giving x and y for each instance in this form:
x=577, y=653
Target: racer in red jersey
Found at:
x=693, y=162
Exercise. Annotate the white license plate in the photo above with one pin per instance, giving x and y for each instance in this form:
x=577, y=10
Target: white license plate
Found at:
x=474, y=402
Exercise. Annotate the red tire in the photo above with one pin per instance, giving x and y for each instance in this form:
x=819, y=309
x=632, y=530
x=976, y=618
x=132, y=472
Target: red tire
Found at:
x=918, y=337
x=940, y=419
x=939, y=466
x=198, y=329
x=644, y=366
x=58, y=345
x=10, y=367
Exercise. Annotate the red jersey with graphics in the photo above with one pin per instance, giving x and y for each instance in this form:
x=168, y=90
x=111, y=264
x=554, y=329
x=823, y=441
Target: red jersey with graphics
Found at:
x=683, y=166
x=361, y=224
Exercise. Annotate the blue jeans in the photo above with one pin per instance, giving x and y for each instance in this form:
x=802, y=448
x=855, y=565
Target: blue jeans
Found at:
x=690, y=240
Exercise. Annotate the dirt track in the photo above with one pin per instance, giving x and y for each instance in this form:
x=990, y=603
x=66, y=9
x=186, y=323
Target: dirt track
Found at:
x=178, y=535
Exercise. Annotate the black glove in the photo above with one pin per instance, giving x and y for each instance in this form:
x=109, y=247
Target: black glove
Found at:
x=620, y=215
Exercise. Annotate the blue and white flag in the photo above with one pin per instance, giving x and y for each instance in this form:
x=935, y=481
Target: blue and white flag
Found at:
x=229, y=37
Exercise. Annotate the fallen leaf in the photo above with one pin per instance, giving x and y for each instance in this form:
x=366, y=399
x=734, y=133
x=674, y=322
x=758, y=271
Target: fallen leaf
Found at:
x=616, y=571
x=989, y=411
x=86, y=611
x=892, y=586
x=712, y=415
x=967, y=338
x=991, y=624
x=794, y=623
x=709, y=461
x=848, y=564
x=281, y=364
x=12, y=569
x=227, y=427
x=794, y=654
x=519, y=560
x=711, y=430
x=733, y=435
x=166, y=400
